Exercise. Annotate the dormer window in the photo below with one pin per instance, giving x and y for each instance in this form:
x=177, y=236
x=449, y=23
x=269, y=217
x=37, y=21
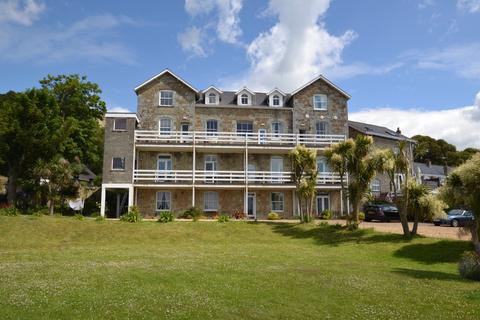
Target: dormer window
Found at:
x=320, y=102
x=212, y=98
x=244, y=99
x=276, y=100
x=166, y=98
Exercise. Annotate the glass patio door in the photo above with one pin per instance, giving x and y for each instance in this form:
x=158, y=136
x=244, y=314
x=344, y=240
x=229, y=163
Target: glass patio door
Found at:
x=164, y=167
x=276, y=168
x=210, y=166
x=252, y=205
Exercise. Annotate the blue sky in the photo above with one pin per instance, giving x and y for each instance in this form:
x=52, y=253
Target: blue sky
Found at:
x=407, y=63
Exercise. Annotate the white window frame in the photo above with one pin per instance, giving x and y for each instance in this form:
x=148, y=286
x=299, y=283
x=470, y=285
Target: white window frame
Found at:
x=161, y=132
x=318, y=131
x=278, y=101
x=160, y=98
x=321, y=103
x=376, y=186
x=279, y=126
x=115, y=124
x=169, y=199
x=210, y=131
x=322, y=162
x=323, y=197
x=240, y=99
x=280, y=202
x=211, y=94
x=210, y=205
x=123, y=161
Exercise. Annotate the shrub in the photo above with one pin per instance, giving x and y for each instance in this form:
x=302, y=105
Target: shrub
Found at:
x=165, y=216
x=223, y=218
x=192, y=213
x=469, y=266
x=273, y=216
x=133, y=215
x=9, y=211
x=37, y=214
x=361, y=216
x=326, y=214
x=238, y=214
x=100, y=218
x=79, y=216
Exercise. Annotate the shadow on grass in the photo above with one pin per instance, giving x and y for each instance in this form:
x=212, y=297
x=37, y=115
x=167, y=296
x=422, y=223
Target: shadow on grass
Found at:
x=334, y=235
x=438, y=252
x=427, y=275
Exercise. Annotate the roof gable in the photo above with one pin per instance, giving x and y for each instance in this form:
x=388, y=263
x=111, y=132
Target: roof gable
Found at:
x=276, y=90
x=245, y=89
x=212, y=88
x=322, y=78
x=161, y=74
x=379, y=131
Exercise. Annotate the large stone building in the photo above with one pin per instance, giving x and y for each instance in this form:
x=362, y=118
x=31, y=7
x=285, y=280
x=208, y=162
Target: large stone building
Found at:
x=220, y=151
x=384, y=138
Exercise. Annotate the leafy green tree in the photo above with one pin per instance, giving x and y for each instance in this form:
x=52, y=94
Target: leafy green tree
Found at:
x=57, y=180
x=304, y=175
x=81, y=111
x=440, y=152
x=337, y=157
x=462, y=189
x=29, y=130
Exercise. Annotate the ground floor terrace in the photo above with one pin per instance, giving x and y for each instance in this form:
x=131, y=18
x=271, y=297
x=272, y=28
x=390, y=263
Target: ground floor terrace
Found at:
x=255, y=202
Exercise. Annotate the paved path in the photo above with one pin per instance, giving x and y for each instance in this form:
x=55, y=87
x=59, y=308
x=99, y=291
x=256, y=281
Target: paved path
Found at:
x=424, y=229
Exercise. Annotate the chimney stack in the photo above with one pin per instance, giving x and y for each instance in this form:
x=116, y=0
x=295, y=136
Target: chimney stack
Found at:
x=399, y=131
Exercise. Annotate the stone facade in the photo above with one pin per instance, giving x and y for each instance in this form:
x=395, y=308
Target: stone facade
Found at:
x=295, y=113
x=118, y=144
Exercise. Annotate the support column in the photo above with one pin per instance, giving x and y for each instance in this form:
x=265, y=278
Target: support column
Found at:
x=102, y=201
x=341, y=202
x=245, y=171
x=294, y=204
x=130, y=196
x=194, y=157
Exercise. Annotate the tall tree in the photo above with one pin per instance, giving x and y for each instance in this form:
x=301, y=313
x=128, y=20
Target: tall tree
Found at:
x=363, y=163
x=337, y=157
x=304, y=175
x=82, y=111
x=29, y=130
x=463, y=190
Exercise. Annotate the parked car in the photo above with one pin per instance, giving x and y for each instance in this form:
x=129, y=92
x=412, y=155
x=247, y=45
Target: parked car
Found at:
x=381, y=211
x=455, y=218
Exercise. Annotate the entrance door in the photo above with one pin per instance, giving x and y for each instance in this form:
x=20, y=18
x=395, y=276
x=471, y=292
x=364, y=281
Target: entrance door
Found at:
x=210, y=165
x=185, y=127
x=276, y=167
x=262, y=135
x=164, y=167
x=252, y=205
x=323, y=203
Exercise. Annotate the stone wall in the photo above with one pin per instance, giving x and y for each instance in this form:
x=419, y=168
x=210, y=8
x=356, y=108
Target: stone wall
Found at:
x=305, y=117
x=118, y=144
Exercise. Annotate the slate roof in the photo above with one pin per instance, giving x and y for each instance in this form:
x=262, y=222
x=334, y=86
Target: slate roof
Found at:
x=374, y=130
x=433, y=169
x=259, y=99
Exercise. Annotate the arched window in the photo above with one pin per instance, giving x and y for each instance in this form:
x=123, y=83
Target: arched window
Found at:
x=212, y=98
x=375, y=187
x=321, y=128
x=276, y=100
x=244, y=99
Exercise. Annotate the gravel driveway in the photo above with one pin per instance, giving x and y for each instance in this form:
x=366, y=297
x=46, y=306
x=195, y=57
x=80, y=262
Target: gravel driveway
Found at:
x=424, y=229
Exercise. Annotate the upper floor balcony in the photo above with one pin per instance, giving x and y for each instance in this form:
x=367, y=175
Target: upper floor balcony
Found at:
x=225, y=177
x=239, y=139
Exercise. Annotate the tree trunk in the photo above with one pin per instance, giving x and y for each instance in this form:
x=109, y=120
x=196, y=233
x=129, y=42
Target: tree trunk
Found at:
x=343, y=197
x=356, y=211
x=475, y=236
x=415, y=224
x=51, y=207
x=404, y=221
x=12, y=186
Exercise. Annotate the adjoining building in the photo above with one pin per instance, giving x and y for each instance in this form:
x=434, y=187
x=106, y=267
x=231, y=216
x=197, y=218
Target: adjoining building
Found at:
x=431, y=175
x=220, y=151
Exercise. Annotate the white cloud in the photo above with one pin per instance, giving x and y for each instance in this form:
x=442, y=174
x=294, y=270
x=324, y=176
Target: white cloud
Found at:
x=21, y=12
x=471, y=6
x=296, y=49
x=222, y=15
x=423, y=4
x=458, y=126
x=464, y=60
x=192, y=41
x=118, y=109
x=91, y=38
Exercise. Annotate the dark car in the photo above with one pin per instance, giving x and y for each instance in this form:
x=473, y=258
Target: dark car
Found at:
x=382, y=212
x=455, y=218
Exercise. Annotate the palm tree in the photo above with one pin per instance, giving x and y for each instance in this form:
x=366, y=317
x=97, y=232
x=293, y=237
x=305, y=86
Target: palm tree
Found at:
x=304, y=175
x=337, y=156
x=363, y=163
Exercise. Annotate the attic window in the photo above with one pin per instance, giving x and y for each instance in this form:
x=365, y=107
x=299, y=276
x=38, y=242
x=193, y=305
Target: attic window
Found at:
x=276, y=100
x=212, y=98
x=244, y=99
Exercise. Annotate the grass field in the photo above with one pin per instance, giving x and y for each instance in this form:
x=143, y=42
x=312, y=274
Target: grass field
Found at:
x=54, y=267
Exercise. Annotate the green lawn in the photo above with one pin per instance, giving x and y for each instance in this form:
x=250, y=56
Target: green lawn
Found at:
x=52, y=267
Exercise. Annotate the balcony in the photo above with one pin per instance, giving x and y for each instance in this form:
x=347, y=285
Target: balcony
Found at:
x=153, y=137
x=225, y=177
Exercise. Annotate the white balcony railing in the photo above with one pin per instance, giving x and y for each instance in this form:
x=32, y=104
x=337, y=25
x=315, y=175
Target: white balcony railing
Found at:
x=225, y=177
x=235, y=138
